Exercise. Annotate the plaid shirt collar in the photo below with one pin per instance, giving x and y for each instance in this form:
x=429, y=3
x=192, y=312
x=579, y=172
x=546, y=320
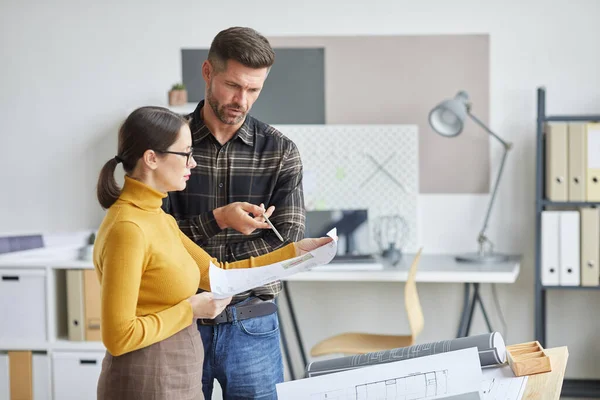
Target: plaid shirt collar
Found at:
x=200, y=131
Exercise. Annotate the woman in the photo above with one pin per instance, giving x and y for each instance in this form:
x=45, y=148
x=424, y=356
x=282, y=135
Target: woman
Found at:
x=150, y=271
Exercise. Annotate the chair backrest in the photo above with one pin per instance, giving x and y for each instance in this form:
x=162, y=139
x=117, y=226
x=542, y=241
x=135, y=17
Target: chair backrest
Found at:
x=414, y=312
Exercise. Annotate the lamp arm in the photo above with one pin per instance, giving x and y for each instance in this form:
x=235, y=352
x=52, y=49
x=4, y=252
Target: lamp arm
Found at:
x=482, y=239
x=485, y=128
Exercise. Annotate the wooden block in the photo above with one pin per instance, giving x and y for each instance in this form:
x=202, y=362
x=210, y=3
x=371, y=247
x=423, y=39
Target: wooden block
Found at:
x=528, y=359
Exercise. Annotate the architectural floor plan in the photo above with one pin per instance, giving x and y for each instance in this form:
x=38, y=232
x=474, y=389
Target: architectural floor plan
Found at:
x=419, y=386
x=439, y=376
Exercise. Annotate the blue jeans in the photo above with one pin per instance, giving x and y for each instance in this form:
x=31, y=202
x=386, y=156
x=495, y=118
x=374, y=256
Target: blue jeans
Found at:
x=244, y=356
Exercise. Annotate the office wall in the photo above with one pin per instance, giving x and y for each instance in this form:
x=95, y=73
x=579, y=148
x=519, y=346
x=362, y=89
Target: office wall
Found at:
x=425, y=71
x=70, y=71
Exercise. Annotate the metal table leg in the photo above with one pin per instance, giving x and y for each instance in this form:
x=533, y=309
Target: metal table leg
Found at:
x=462, y=326
x=295, y=323
x=286, y=348
x=472, y=310
x=469, y=304
x=485, y=315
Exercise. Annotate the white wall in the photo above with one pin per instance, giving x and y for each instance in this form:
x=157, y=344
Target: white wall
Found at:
x=71, y=70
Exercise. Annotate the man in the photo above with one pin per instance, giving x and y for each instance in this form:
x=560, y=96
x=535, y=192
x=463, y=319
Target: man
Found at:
x=243, y=165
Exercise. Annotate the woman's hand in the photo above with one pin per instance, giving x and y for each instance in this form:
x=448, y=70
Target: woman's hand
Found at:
x=205, y=306
x=309, y=244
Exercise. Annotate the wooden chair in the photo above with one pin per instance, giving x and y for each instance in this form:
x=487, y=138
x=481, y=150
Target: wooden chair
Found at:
x=361, y=343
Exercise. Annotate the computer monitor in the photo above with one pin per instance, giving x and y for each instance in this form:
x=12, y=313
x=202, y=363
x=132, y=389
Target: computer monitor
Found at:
x=352, y=230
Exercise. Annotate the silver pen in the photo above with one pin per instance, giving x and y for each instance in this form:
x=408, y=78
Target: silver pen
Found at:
x=272, y=227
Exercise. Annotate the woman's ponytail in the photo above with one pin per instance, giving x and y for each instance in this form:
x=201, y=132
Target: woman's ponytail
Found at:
x=108, y=190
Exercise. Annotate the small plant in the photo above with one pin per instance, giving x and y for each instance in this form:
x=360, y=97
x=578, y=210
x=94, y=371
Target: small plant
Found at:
x=177, y=95
x=91, y=239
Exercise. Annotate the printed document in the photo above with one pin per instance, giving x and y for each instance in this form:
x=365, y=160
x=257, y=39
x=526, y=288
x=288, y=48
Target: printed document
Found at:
x=500, y=383
x=225, y=283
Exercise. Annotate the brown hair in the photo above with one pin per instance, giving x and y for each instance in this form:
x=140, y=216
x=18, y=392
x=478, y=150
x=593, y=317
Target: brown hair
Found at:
x=244, y=45
x=145, y=128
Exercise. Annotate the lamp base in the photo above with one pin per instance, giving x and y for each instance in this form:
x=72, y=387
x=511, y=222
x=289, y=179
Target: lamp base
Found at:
x=482, y=258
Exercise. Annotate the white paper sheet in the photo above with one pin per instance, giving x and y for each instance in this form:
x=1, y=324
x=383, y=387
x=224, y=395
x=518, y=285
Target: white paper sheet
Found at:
x=440, y=376
x=500, y=383
x=225, y=283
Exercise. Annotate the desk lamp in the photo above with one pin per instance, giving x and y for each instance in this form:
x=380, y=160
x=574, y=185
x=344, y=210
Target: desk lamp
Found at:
x=447, y=119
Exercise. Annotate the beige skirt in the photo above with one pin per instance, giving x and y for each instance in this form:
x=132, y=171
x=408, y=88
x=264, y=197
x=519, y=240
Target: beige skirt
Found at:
x=170, y=369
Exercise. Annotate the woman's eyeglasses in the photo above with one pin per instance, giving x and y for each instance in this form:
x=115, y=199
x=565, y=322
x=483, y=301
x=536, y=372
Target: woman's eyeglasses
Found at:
x=188, y=155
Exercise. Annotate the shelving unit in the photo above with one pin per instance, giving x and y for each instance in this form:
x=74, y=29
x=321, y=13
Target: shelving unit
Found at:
x=35, y=281
x=571, y=387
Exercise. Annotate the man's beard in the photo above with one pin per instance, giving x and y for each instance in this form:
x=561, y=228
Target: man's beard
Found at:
x=221, y=111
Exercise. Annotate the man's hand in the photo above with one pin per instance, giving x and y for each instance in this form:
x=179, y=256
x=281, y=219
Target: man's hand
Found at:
x=306, y=245
x=237, y=216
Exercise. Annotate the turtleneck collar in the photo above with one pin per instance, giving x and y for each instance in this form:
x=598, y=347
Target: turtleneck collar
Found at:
x=141, y=195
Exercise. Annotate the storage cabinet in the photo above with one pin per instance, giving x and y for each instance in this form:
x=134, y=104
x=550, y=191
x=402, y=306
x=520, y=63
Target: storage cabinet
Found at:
x=33, y=319
x=76, y=374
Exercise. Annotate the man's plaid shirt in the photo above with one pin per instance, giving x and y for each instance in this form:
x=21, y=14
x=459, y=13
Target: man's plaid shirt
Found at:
x=258, y=165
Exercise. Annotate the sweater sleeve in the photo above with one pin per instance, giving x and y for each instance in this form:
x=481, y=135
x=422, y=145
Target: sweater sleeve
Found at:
x=203, y=259
x=123, y=263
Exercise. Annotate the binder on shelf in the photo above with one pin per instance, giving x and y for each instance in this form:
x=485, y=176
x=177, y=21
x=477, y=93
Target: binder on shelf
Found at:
x=590, y=246
x=569, y=250
x=20, y=375
x=550, y=248
x=75, y=305
x=556, y=162
x=593, y=161
x=577, y=161
x=91, y=289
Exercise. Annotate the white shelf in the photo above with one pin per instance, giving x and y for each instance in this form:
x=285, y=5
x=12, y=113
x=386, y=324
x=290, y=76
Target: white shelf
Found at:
x=64, y=344
x=53, y=258
x=60, y=345
x=433, y=268
x=23, y=347
x=187, y=108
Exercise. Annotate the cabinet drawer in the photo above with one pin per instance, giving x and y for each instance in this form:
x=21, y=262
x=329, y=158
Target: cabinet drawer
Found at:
x=76, y=374
x=23, y=306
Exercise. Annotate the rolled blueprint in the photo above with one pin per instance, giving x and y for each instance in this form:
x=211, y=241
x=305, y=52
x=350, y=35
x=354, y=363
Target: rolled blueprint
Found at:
x=491, y=348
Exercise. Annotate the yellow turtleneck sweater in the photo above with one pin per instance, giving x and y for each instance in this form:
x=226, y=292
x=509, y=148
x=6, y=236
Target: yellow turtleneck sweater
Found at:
x=148, y=269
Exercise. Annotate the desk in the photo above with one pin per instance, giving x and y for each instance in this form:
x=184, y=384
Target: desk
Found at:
x=433, y=268
x=548, y=385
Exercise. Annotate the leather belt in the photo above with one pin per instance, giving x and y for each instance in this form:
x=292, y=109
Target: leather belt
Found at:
x=241, y=312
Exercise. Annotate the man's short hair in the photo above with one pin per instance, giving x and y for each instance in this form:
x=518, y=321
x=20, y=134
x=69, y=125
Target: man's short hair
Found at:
x=244, y=45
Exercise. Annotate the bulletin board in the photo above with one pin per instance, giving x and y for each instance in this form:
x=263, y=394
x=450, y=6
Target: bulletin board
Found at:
x=373, y=167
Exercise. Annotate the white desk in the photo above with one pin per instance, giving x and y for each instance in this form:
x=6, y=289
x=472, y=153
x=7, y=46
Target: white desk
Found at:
x=433, y=268
x=46, y=257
